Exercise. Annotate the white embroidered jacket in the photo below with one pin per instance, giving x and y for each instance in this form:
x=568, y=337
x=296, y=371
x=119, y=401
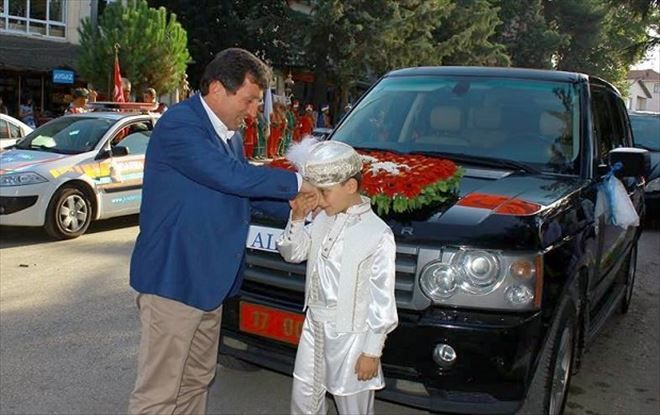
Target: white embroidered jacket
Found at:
x=354, y=256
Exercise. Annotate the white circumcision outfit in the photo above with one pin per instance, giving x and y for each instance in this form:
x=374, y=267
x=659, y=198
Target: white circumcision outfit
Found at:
x=350, y=303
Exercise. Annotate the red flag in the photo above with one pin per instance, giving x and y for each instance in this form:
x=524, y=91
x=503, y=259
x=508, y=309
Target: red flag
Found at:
x=118, y=93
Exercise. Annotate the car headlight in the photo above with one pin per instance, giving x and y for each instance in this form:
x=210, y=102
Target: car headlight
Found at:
x=653, y=185
x=21, y=179
x=480, y=271
x=484, y=279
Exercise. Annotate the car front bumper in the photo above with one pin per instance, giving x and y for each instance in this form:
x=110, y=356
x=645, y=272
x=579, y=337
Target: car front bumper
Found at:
x=490, y=375
x=24, y=205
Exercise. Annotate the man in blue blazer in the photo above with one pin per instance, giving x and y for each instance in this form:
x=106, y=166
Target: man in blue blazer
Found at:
x=196, y=201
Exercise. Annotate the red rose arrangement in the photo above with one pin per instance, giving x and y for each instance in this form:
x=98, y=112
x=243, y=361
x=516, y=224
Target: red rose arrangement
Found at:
x=402, y=182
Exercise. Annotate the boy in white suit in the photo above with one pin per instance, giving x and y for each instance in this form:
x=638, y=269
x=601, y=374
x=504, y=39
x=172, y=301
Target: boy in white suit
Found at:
x=349, y=293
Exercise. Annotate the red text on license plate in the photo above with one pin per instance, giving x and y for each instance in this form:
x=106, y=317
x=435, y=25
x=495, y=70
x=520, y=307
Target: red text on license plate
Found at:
x=271, y=322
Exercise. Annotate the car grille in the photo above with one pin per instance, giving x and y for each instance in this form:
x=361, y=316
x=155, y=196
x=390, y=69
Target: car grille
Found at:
x=268, y=274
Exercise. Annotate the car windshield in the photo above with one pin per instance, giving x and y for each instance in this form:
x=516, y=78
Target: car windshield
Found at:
x=646, y=131
x=532, y=123
x=67, y=135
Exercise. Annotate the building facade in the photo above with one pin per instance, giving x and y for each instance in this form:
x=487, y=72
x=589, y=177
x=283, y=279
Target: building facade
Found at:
x=38, y=46
x=644, y=91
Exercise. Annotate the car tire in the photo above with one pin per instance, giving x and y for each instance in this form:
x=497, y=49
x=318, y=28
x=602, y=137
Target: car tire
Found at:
x=234, y=363
x=549, y=391
x=630, y=268
x=69, y=214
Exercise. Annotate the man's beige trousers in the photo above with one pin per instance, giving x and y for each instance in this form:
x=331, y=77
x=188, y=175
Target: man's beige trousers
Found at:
x=177, y=357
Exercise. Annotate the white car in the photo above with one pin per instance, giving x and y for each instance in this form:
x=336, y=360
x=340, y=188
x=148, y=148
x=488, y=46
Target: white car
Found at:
x=12, y=130
x=75, y=169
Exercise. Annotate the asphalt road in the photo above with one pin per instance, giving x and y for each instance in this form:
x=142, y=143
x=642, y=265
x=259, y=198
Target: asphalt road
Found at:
x=69, y=335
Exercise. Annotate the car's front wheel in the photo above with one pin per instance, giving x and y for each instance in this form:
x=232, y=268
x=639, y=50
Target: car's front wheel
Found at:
x=630, y=270
x=69, y=214
x=549, y=390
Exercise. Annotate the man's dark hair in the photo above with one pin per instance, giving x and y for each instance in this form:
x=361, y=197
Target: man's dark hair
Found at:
x=231, y=66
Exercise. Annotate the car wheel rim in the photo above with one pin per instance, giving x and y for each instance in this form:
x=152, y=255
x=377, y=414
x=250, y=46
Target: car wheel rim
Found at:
x=73, y=214
x=561, y=372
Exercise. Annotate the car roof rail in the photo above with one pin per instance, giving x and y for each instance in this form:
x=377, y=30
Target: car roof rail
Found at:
x=138, y=107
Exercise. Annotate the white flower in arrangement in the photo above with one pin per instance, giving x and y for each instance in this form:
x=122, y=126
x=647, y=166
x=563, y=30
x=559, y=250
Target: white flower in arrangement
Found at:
x=388, y=166
x=368, y=159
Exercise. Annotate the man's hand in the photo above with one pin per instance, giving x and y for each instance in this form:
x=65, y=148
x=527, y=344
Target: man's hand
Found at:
x=367, y=367
x=303, y=204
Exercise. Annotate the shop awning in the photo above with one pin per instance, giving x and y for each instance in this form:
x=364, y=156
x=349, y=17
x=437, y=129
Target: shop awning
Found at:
x=18, y=53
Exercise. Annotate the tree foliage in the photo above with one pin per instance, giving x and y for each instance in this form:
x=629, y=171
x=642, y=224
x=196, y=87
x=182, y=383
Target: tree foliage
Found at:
x=602, y=37
x=345, y=42
x=467, y=35
x=269, y=29
x=153, y=49
x=529, y=39
x=361, y=39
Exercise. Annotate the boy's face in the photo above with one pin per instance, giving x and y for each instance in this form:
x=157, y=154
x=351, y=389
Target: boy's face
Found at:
x=339, y=197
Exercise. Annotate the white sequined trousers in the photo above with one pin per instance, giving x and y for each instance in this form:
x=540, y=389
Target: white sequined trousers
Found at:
x=302, y=397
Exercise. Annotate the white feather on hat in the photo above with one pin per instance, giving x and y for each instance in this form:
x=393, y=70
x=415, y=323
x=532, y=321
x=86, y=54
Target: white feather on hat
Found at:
x=299, y=153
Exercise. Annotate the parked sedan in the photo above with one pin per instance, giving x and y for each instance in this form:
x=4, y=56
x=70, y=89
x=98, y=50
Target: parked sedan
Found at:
x=12, y=130
x=646, y=132
x=75, y=169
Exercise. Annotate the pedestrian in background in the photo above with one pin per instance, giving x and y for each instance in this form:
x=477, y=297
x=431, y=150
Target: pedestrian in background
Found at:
x=263, y=131
x=3, y=107
x=250, y=136
x=307, y=121
x=288, y=131
x=151, y=96
x=126, y=89
x=79, y=103
x=277, y=127
x=26, y=112
x=295, y=108
x=197, y=197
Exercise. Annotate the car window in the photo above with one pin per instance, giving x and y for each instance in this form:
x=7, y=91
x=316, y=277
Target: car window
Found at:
x=646, y=131
x=135, y=137
x=14, y=131
x=534, y=122
x=4, y=129
x=608, y=127
x=67, y=135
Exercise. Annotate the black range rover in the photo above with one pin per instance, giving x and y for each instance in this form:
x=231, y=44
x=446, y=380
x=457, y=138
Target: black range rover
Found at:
x=500, y=290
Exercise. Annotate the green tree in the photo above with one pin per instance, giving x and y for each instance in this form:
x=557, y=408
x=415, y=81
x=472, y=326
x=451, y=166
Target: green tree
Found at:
x=603, y=37
x=269, y=29
x=153, y=47
x=530, y=40
x=362, y=39
x=467, y=35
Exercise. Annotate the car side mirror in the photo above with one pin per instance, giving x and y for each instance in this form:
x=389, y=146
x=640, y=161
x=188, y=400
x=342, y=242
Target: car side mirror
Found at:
x=119, y=151
x=116, y=151
x=636, y=162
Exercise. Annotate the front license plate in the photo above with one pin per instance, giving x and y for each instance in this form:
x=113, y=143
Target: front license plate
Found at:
x=271, y=322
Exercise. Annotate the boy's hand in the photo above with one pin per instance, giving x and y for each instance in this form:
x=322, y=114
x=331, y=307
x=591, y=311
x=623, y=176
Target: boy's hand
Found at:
x=367, y=367
x=303, y=204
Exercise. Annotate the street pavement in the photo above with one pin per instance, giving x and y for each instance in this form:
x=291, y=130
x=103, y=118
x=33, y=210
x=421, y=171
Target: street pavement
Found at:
x=69, y=334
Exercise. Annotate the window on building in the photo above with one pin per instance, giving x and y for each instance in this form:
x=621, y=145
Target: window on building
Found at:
x=656, y=87
x=34, y=17
x=641, y=104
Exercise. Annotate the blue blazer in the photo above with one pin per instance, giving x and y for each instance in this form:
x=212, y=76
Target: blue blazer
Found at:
x=195, y=212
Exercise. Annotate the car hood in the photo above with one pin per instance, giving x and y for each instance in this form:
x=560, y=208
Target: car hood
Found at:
x=472, y=218
x=28, y=160
x=552, y=199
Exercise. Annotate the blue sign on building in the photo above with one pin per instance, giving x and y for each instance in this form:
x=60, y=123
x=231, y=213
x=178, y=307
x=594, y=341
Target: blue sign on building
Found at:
x=61, y=76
